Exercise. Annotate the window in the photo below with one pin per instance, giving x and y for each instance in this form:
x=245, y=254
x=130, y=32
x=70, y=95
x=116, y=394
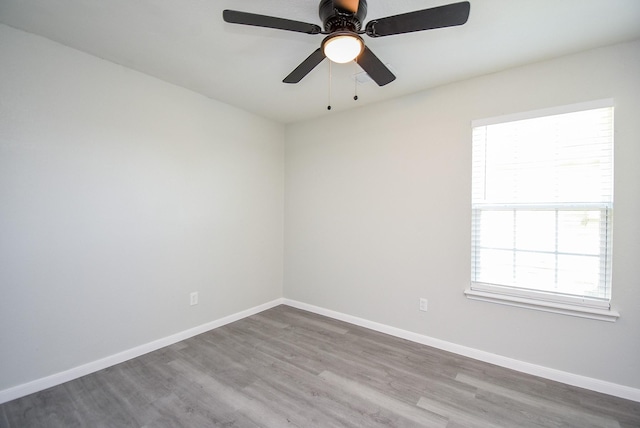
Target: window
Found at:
x=542, y=210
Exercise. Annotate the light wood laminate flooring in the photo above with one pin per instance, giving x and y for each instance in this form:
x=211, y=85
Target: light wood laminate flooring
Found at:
x=289, y=368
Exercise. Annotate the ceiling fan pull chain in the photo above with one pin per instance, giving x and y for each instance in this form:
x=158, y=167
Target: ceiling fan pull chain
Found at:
x=329, y=106
x=355, y=79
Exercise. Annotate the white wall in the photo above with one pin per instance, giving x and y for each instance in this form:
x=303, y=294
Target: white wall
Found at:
x=119, y=195
x=377, y=214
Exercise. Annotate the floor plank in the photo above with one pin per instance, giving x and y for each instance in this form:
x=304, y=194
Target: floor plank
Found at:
x=286, y=367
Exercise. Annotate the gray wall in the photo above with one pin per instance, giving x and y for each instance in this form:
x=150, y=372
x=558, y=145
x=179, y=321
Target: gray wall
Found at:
x=119, y=195
x=379, y=215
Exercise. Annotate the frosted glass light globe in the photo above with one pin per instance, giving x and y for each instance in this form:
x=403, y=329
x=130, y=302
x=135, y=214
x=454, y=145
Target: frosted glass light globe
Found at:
x=343, y=48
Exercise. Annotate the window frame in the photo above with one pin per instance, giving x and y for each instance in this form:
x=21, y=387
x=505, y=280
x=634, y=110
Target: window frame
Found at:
x=567, y=304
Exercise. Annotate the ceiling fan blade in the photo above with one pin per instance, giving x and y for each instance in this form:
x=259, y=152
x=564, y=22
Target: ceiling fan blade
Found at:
x=427, y=19
x=349, y=5
x=245, y=18
x=305, y=67
x=375, y=68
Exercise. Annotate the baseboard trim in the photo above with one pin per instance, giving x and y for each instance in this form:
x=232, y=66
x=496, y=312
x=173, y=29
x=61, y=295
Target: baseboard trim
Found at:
x=94, y=366
x=580, y=381
x=604, y=387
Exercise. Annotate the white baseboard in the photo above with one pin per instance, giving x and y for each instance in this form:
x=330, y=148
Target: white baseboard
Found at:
x=597, y=385
x=94, y=366
x=533, y=369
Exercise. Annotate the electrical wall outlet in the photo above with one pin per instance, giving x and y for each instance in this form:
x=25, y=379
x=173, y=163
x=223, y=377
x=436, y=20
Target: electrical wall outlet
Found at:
x=193, y=298
x=423, y=304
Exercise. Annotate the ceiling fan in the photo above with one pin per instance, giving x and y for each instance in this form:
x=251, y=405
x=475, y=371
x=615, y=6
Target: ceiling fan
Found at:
x=342, y=20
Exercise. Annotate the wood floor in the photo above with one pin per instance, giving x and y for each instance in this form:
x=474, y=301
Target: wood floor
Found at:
x=289, y=368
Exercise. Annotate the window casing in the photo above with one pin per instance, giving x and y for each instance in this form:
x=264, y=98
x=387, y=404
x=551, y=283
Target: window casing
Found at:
x=542, y=210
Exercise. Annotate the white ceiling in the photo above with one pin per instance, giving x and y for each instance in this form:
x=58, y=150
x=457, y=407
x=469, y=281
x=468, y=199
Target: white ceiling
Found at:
x=188, y=44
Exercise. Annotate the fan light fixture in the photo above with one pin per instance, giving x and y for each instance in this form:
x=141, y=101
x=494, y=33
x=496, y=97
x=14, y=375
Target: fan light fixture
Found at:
x=343, y=24
x=343, y=47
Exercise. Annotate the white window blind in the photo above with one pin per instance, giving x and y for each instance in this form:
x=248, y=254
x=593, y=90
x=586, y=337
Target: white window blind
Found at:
x=542, y=207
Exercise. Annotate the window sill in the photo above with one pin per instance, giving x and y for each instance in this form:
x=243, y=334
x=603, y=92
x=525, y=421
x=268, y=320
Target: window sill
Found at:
x=609, y=315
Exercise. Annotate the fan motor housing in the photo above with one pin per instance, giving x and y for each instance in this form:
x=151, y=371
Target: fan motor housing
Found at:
x=336, y=18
